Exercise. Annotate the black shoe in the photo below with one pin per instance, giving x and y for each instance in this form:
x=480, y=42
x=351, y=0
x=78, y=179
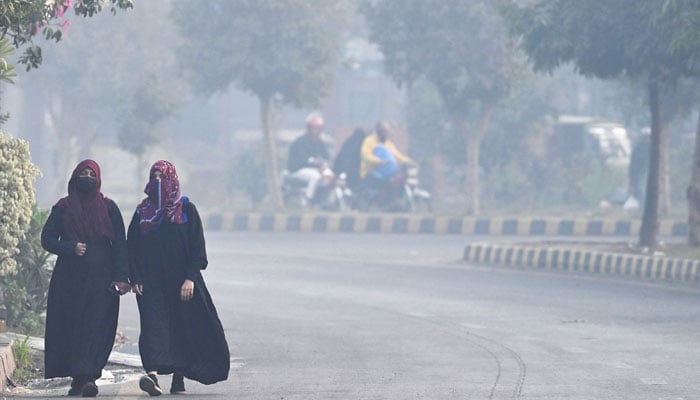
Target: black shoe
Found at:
x=178, y=384
x=89, y=389
x=75, y=391
x=76, y=387
x=149, y=384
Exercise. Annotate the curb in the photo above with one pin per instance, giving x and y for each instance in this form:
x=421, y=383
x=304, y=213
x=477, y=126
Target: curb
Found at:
x=7, y=361
x=115, y=357
x=586, y=261
x=413, y=224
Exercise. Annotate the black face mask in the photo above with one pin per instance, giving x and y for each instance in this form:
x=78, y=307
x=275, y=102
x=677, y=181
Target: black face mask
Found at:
x=86, y=184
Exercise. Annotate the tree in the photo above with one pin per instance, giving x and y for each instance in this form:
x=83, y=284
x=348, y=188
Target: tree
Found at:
x=462, y=48
x=7, y=71
x=282, y=51
x=608, y=40
x=120, y=81
x=17, y=175
x=142, y=123
x=23, y=20
x=687, y=40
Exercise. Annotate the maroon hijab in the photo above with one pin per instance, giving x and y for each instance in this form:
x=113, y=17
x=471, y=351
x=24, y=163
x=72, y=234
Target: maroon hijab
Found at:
x=164, y=201
x=85, y=215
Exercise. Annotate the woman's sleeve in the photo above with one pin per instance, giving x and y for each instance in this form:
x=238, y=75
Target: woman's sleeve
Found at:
x=133, y=242
x=197, y=250
x=119, y=250
x=51, y=239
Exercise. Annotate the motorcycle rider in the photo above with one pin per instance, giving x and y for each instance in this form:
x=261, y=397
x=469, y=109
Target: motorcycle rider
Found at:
x=306, y=153
x=380, y=159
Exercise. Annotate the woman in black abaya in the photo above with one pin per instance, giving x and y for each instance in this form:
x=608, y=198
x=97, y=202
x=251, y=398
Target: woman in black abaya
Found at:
x=181, y=333
x=86, y=231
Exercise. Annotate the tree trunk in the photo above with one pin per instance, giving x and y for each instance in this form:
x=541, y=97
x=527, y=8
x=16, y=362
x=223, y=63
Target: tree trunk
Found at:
x=664, y=170
x=273, y=181
x=650, y=219
x=473, y=154
x=693, y=194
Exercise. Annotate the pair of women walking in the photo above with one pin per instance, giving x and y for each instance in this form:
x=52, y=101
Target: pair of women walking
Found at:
x=160, y=260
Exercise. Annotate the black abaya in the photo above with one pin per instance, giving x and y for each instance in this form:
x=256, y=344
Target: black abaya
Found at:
x=176, y=336
x=82, y=308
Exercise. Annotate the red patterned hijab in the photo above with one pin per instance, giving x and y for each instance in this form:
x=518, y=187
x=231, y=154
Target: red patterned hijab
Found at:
x=85, y=214
x=164, y=202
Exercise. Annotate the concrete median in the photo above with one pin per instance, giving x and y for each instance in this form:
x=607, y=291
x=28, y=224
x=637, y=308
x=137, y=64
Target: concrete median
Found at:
x=575, y=259
x=428, y=224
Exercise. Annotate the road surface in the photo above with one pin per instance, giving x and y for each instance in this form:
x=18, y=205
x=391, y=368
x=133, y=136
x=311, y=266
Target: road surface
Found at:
x=361, y=316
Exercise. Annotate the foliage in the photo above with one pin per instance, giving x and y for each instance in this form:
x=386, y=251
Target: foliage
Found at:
x=609, y=40
x=17, y=175
x=603, y=40
x=687, y=37
x=22, y=352
x=283, y=51
x=23, y=20
x=536, y=182
x=271, y=48
x=429, y=127
x=129, y=105
x=26, y=290
x=246, y=173
x=7, y=70
x=148, y=106
x=462, y=48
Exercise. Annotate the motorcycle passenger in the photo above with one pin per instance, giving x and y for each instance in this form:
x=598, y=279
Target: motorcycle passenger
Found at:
x=306, y=153
x=348, y=159
x=380, y=159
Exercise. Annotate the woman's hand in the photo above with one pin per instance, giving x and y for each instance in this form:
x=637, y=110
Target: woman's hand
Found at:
x=137, y=288
x=123, y=287
x=187, y=290
x=80, y=249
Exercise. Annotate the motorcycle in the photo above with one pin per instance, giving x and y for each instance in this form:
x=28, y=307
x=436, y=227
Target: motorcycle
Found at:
x=400, y=193
x=331, y=193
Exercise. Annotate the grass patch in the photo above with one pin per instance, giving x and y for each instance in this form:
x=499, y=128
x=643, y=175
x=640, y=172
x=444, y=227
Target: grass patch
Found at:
x=23, y=359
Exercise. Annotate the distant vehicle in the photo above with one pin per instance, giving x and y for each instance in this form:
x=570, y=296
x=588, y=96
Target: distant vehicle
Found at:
x=573, y=138
x=331, y=192
x=401, y=194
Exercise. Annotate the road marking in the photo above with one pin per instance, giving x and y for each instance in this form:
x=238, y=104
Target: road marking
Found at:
x=654, y=381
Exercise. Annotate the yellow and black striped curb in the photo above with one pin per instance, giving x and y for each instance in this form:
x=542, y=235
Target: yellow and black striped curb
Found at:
x=367, y=223
x=583, y=260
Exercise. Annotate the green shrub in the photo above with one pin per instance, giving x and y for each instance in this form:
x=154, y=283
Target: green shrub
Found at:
x=17, y=174
x=23, y=359
x=26, y=290
x=246, y=172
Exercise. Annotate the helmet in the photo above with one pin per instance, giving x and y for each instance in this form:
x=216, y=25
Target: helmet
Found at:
x=314, y=121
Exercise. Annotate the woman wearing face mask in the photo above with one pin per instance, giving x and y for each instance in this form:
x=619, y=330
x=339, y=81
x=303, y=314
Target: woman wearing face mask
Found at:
x=181, y=333
x=86, y=231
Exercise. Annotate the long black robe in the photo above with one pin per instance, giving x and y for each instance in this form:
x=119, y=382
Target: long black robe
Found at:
x=82, y=311
x=176, y=336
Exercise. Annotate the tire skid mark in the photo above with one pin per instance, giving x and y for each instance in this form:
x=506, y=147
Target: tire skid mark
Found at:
x=488, y=345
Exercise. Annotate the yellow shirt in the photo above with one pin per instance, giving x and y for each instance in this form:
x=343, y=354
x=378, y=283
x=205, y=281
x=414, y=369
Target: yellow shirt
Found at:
x=369, y=161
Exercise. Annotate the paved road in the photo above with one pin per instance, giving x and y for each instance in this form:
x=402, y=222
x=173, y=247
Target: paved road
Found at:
x=400, y=317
